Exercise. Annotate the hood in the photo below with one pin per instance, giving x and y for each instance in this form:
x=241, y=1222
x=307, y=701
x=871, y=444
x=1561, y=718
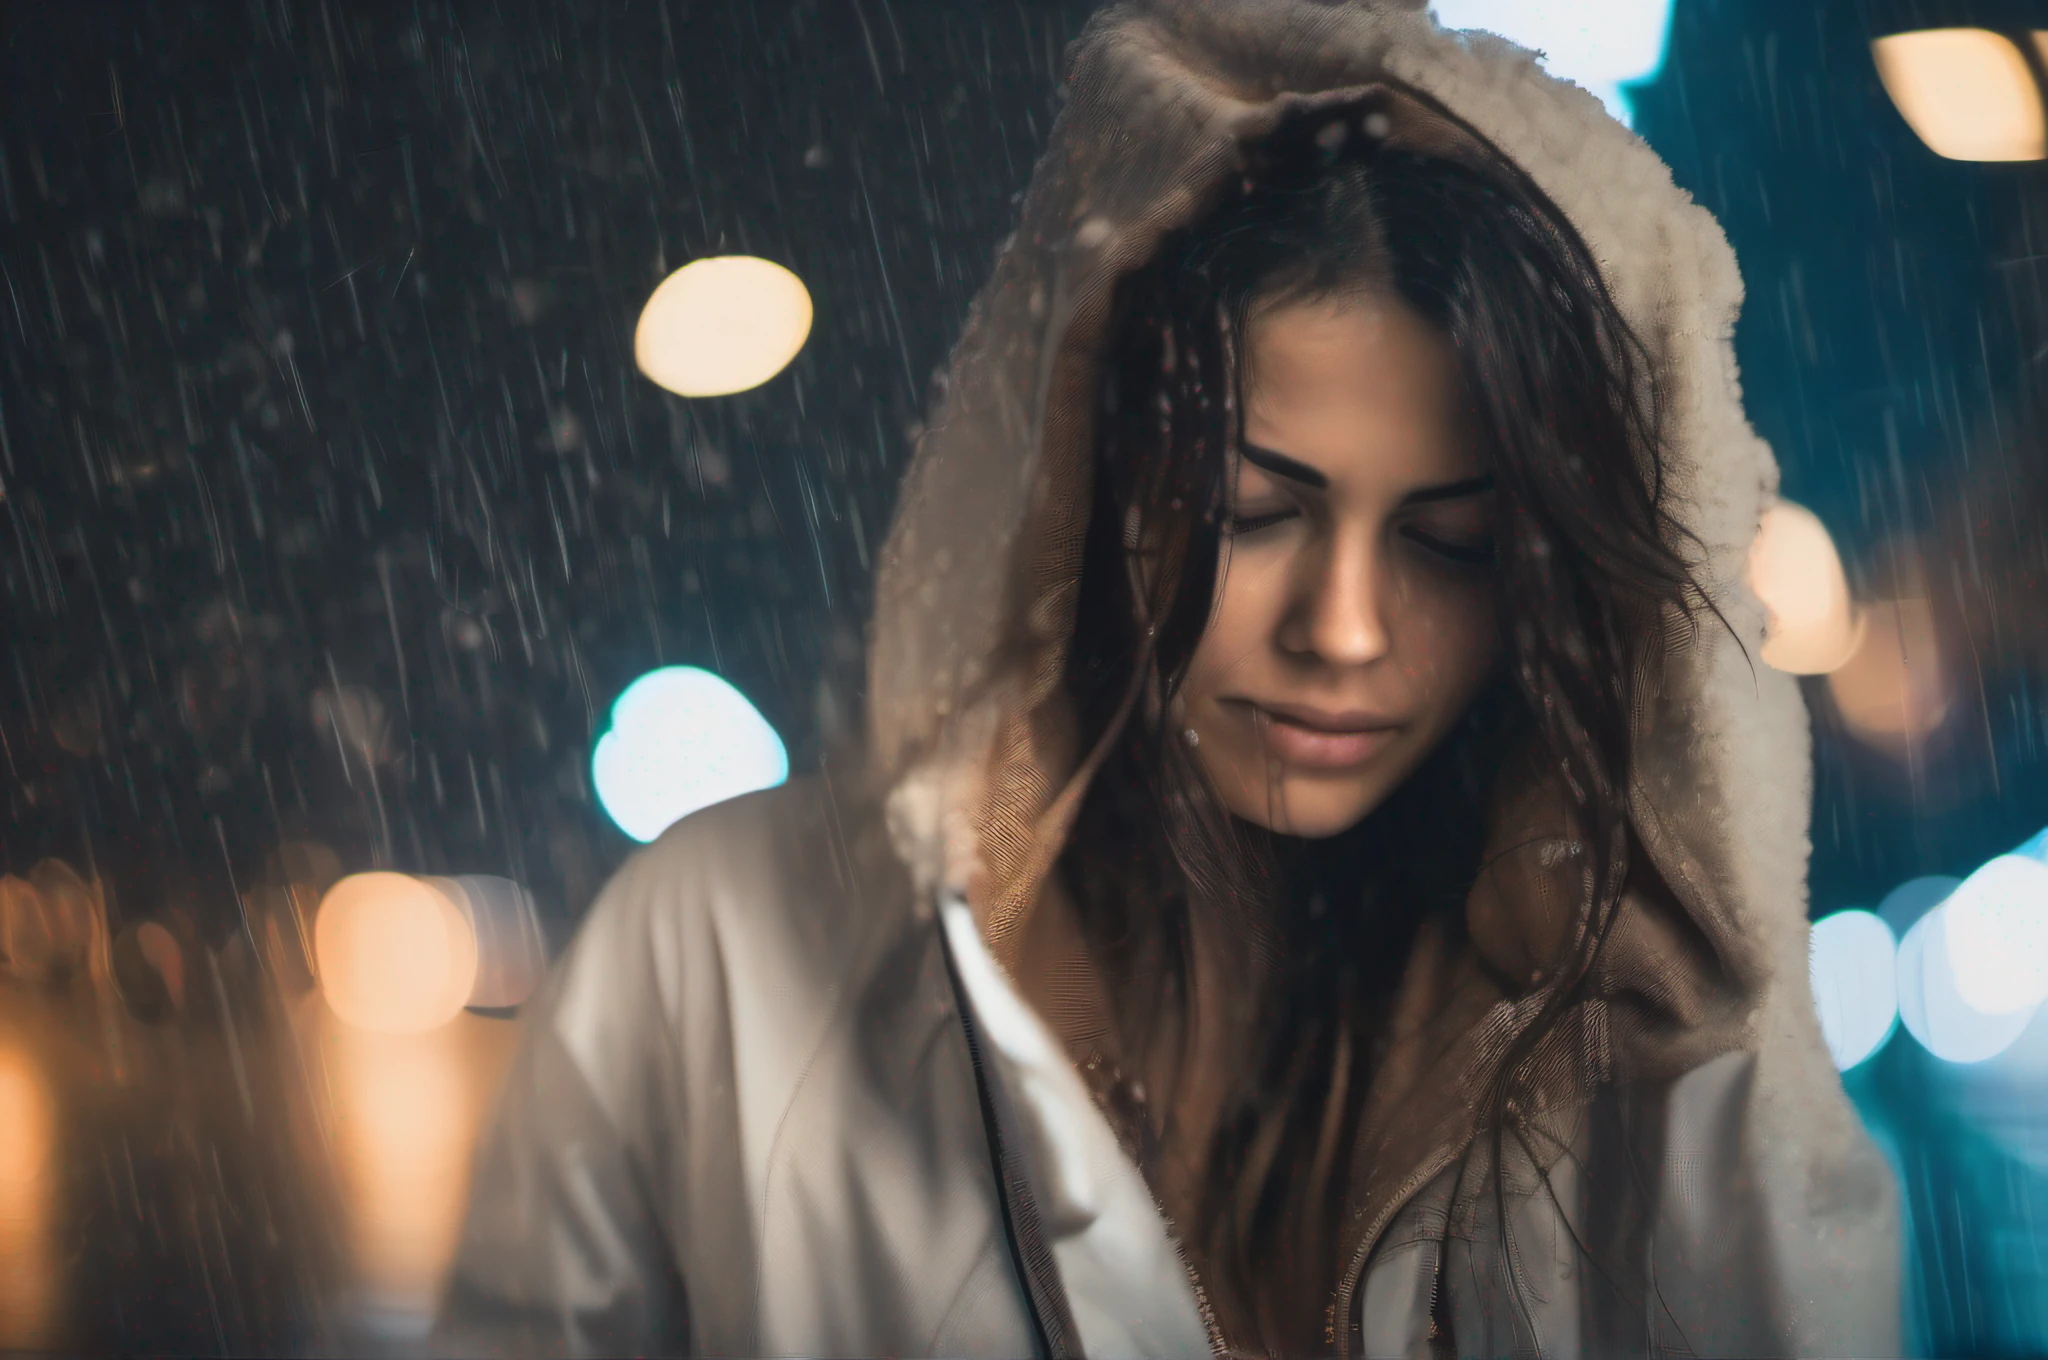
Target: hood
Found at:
x=968, y=723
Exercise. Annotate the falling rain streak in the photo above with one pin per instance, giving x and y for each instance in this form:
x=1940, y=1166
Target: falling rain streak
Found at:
x=337, y=514
x=336, y=517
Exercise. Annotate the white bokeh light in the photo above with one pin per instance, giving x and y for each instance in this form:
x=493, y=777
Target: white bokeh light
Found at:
x=1854, y=970
x=2000, y=1097
x=681, y=739
x=1599, y=44
x=1997, y=927
x=1934, y=1009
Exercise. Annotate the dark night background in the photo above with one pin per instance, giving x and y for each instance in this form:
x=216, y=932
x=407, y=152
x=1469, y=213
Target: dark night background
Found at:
x=319, y=376
x=332, y=507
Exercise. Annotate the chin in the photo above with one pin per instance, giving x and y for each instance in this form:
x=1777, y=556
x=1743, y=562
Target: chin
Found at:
x=1310, y=809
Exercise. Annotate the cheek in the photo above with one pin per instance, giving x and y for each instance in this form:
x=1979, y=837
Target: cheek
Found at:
x=1242, y=623
x=1449, y=637
x=1234, y=654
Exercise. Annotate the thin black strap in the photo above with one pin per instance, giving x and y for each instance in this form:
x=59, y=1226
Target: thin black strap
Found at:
x=1045, y=1296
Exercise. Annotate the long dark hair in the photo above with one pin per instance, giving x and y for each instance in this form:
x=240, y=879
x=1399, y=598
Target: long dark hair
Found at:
x=1589, y=562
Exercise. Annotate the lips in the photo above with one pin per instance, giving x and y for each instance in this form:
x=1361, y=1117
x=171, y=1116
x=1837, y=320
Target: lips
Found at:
x=1319, y=739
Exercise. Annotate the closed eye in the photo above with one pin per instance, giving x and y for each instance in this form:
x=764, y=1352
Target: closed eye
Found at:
x=1465, y=554
x=1253, y=523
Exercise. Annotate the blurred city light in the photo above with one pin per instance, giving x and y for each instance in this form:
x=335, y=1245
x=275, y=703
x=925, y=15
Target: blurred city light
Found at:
x=1598, y=44
x=396, y=956
x=1933, y=1007
x=681, y=739
x=1997, y=924
x=149, y=971
x=722, y=325
x=49, y=923
x=74, y=911
x=1967, y=92
x=407, y=1111
x=1904, y=905
x=24, y=930
x=2022, y=1068
x=28, y=1202
x=1971, y=969
x=1853, y=966
x=1893, y=691
x=1813, y=626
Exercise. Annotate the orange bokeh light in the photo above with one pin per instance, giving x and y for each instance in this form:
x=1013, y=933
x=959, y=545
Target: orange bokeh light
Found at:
x=396, y=956
x=1813, y=626
x=28, y=1264
x=1967, y=92
x=1895, y=691
x=408, y=1112
x=401, y=1115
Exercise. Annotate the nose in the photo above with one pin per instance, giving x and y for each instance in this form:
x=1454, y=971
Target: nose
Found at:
x=1338, y=615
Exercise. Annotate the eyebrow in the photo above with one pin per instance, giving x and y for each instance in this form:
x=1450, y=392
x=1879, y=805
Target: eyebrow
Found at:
x=1280, y=465
x=1450, y=491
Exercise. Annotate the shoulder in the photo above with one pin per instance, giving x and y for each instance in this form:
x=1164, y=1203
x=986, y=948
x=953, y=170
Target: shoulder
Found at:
x=807, y=858
x=753, y=913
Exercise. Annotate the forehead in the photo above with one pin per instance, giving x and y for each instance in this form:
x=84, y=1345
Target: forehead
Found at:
x=1330, y=349
x=1346, y=378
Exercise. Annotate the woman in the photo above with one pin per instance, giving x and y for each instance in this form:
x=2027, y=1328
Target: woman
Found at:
x=1325, y=877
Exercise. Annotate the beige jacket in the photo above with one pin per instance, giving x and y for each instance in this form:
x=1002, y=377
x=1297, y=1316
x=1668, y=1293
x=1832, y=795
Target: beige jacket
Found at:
x=781, y=1096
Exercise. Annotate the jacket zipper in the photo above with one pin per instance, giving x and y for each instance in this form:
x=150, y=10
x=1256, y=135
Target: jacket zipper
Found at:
x=1347, y=1290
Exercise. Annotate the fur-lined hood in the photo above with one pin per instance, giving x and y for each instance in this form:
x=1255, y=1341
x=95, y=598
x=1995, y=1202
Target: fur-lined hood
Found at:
x=969, y=722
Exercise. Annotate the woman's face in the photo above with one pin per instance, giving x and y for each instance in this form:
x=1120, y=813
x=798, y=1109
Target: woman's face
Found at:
x=1354, y=618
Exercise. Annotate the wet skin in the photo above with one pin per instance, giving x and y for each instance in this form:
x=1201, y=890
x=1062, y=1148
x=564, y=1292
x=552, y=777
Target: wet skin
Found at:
x=1355, y=618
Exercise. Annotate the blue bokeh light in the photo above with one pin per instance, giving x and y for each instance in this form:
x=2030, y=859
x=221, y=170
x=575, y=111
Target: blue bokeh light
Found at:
x=1935, y=1010
x=1599, y=44
x=1853, y=965
x=681, y=739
